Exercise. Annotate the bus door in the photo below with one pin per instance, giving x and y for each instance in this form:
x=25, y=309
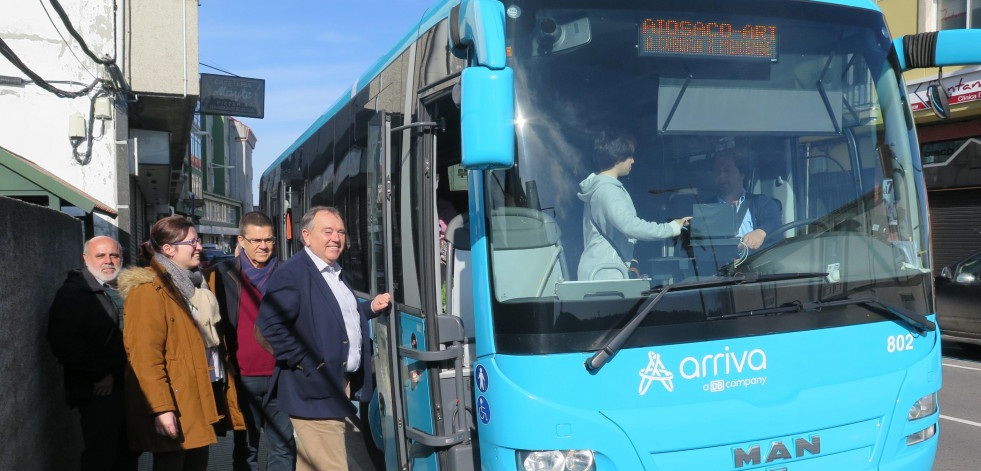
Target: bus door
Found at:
x=407, y=354
x=386, y=410
x=451, y=329
x=287, y=228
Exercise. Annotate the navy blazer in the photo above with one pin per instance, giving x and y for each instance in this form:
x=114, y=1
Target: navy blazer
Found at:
x=302, y=321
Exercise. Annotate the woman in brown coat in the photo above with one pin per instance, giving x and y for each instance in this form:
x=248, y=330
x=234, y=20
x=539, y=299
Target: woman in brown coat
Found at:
x=178, y=391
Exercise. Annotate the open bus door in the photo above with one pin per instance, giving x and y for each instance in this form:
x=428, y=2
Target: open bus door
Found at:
x=385, y=414
x=405, y=413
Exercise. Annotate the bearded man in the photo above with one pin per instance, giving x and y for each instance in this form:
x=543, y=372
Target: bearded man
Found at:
x=85, y=331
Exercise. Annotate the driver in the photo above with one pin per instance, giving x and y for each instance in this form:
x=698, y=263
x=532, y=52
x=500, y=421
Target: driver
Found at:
x=762, y=214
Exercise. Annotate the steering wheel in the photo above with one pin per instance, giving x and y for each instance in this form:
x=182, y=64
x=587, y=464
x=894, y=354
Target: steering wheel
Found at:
x=803, y=222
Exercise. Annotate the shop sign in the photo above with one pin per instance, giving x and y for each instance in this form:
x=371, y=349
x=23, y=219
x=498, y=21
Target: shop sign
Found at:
x=962, y=89
x=232, y=96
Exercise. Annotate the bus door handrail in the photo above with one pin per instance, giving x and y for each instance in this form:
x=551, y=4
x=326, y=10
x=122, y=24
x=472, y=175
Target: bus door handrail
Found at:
x=431, y=357
x=421, y=124
x=450, y=330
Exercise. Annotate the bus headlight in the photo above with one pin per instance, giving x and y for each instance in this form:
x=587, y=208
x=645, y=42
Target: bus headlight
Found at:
x=924, y=407
x=922, y=435
x=556, y=460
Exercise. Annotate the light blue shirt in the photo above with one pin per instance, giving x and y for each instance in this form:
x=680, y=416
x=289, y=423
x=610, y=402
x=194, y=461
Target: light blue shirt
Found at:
x=746, y=225
x=349, y=308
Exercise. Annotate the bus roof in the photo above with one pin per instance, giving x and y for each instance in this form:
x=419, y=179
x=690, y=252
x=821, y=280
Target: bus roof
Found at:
x=432, y=16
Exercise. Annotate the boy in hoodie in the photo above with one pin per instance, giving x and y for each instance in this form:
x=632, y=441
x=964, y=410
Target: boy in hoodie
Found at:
x=610, y=224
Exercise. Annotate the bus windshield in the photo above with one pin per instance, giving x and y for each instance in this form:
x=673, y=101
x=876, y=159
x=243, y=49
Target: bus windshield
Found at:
x=784, y=135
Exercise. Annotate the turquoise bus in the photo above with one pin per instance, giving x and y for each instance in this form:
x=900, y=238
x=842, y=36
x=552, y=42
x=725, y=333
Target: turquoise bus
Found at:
x=460, y=162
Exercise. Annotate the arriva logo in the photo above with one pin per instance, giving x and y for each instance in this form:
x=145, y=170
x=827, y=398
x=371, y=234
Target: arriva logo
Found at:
x=710, y=366
x=690, y=367
x=655, y=372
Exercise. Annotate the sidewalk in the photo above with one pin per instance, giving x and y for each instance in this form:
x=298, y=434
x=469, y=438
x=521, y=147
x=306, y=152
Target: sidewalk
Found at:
x=221, y=453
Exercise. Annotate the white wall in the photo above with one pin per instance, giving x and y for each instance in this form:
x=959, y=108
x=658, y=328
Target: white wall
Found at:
x=34, y=122
x=163, y=46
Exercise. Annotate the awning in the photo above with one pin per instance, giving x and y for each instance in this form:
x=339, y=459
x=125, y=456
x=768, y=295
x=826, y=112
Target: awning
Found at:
x=21, y=177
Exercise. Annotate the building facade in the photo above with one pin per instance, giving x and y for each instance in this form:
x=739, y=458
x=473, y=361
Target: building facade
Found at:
x=950, y=149
x=218, y=176
x=98, y=98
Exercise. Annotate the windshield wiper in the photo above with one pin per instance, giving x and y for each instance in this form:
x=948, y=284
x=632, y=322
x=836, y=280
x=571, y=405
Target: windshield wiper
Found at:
x=913, y=319
x=600, y=358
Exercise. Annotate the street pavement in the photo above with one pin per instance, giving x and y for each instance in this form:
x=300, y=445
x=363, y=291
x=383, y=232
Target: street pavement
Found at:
x=221, y=453
x=960, y=410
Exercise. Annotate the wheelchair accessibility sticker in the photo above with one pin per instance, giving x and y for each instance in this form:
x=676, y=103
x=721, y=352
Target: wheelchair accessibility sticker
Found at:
x=483, y=410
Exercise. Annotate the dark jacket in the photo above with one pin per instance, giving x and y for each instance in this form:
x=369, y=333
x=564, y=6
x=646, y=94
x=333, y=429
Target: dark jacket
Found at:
x=225, y=280
x=301, y=319
x=765, y=214
x=83, y=329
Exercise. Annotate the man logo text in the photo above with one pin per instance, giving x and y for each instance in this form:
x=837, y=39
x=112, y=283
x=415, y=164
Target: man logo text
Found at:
x=777, y=451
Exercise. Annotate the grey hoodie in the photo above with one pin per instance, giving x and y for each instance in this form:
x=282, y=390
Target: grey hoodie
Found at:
x=610, y=228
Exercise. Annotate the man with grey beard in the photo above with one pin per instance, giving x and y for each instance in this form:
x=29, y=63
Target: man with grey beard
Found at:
x=85, y=331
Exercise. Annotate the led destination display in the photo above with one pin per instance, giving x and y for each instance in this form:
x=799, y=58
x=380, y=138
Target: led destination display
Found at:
x=678, y=37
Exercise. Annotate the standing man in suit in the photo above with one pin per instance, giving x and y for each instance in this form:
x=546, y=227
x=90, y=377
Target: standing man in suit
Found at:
x=319, y=335
x=239, y=285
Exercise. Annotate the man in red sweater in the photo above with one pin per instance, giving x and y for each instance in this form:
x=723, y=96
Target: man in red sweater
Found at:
x=239, y=285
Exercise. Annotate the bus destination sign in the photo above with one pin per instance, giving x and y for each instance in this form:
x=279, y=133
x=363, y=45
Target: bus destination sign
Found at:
x=678, y=37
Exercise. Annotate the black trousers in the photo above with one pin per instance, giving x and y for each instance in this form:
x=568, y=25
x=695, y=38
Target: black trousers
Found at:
x=195, y=459
x=103, y=421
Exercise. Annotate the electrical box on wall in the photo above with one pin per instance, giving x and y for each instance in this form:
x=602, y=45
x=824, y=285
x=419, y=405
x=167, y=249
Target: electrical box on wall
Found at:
x=76, y=126
x=103, y=108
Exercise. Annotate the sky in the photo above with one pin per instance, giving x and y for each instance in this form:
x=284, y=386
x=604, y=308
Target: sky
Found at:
x=309, y=52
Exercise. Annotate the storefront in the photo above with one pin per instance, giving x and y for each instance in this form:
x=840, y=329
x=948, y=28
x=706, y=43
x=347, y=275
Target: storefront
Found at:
x=951, y=154
x=219, y=223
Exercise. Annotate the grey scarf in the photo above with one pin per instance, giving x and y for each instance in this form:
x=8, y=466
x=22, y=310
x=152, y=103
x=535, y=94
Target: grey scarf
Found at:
x=185, y=280
x=201, y=302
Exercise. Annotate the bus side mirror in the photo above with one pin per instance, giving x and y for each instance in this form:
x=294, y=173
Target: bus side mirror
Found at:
x=477, y=26
x=487, y=118
x=938, y=49
x=939, y=99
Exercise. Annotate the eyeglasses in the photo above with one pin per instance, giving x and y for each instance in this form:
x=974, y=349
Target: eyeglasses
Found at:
x=268, y=241
x=192, y=242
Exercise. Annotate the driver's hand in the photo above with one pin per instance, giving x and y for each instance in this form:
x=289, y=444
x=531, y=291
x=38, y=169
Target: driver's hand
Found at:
x=634, y=270
x=754, y=239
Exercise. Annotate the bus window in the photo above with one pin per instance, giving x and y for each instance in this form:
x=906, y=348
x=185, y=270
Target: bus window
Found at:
x=812, y=103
